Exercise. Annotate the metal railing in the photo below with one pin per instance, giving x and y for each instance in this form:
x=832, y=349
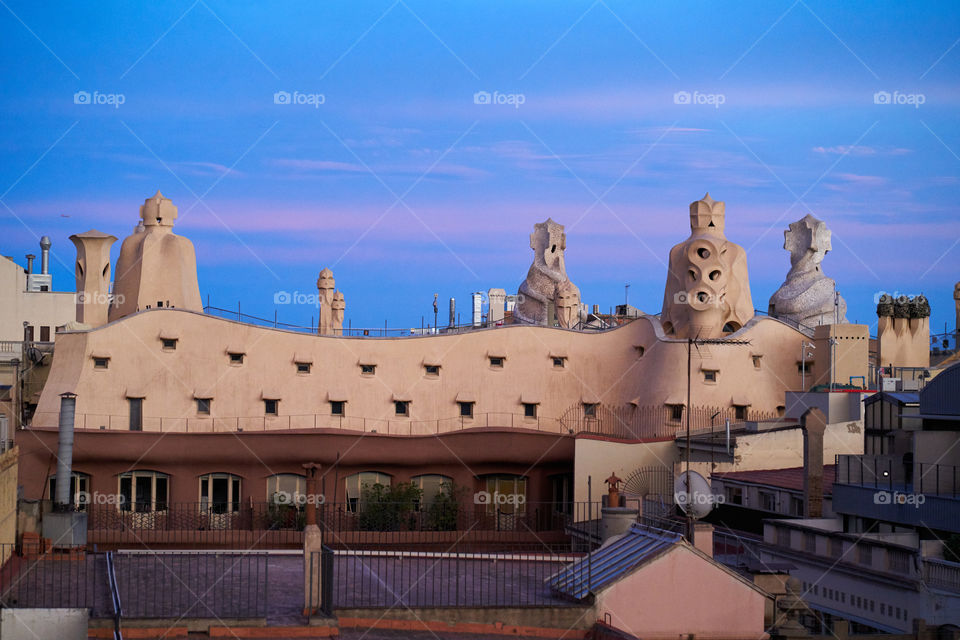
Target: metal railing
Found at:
x=372, y=332
x=435, y=527
x=623, y=422
x=942, y=574
x=891, y=473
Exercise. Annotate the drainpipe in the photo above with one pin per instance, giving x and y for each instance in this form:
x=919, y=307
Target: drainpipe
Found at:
x=68, y=405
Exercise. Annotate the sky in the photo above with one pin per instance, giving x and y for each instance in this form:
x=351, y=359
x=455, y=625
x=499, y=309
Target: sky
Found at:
x=411, y=146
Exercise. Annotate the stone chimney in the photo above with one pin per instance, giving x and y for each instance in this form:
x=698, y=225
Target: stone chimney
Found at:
x=814, y=424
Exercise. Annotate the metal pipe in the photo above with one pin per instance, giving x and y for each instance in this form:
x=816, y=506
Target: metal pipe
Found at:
x=30, y=258
x=45, y=255
x=68, y=405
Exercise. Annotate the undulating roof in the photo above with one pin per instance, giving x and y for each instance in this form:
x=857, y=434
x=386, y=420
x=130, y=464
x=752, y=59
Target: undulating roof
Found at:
x=605, y=565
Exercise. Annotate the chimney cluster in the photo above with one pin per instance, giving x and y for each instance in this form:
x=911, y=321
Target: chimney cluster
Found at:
x=40, y=281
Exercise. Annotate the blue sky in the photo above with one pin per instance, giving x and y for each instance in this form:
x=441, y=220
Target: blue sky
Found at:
x=405, y=186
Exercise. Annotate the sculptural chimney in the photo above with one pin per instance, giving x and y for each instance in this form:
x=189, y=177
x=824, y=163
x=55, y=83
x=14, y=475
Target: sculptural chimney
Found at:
x=92, y=270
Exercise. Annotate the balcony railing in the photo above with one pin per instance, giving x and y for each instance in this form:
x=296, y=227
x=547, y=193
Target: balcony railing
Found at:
x=622, y=422
x=890, y=473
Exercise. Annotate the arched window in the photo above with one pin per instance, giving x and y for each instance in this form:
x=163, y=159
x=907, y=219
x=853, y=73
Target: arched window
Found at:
x=143, y=491
x=505, y=494
x=353, y=485
x=79, y=490
x=432, y=486
x=220, y=492
x=286, y=488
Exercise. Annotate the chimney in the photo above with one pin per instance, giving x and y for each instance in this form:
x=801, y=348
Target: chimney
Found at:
x=45, y=255
x=453, y=312
x=814, y=424
x=30, y=258
x=596, y=309
x=68, y=404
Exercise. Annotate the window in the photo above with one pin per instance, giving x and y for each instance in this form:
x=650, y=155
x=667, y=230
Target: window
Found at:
x=734, y=495
x=44, y=334
x=79, y=490
x=864, y=554
x=402, y=407
x=136, y=414
x=507, y=494
x=354, y=485
x=709, y=376
x=640, y=350
x=433, y=486
x=561, y=493
x=676, y=412
x=220, y=493
x=809, y=542
x=783, y=537
x=466, y=409
x=431, y=369
x=558, y=363
x=271, y=407
x=740, y=411
x=804, y=367
x=236, y=358
x=768, y=500
x=496, y=362
x=143, y=491
x=368, y=369
x=589, y=410
x=529, y=410
x=101, y=363
x=756, y=361
x=203, y=406
x=338, y=407
x=169, y=344
x=836, y=547
x=796, y=506
x=286, y=488
x=303, y=367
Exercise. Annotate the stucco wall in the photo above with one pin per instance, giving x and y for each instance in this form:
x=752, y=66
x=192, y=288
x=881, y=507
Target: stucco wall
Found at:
x=46, y=308
x=597, y=458
x=31, y=624
x=8, y=501
x=779, y=449
x=679, y=594
x=605, y=367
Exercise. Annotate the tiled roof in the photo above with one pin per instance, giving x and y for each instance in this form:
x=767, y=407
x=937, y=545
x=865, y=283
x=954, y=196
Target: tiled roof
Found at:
x=605, y=565
x=791, y=479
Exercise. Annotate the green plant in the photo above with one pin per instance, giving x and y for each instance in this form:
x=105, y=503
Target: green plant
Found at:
x=444, y=510
x=388, y=508
x=284, y=516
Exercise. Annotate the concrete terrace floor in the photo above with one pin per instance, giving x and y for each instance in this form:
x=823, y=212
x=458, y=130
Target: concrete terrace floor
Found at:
x=260, y=585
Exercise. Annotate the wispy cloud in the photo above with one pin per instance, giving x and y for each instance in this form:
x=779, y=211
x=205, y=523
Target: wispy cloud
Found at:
x=861, y=150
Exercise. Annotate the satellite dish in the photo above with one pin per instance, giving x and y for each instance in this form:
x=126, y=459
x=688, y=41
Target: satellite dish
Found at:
x=695, y=498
